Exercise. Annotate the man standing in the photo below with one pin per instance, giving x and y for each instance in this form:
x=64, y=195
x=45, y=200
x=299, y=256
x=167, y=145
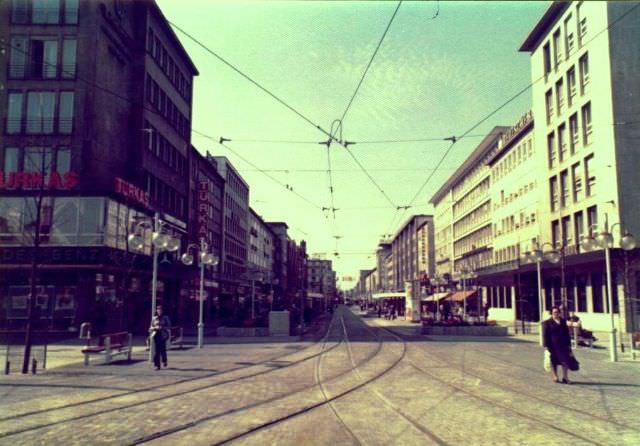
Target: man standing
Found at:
x=160, y=331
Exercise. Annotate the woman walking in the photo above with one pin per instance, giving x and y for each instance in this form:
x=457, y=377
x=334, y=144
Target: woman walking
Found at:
x=160, y=332
x=557, y=341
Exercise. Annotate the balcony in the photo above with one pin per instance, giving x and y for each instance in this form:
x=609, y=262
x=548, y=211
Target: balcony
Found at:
x=42, y=71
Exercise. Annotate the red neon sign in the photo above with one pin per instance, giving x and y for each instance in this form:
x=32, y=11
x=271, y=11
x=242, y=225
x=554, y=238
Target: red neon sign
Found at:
x=131, y=191
x=37, y=180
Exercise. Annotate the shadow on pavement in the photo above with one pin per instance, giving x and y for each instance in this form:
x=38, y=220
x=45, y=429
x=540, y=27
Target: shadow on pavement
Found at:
x=583, y=383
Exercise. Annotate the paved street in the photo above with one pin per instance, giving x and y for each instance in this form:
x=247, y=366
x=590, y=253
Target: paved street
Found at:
x=368, y=381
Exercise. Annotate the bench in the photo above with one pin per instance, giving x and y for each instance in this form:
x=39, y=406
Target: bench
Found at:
x=578, y=335
x=634, y=344
x=109, y=345
x=175, y=338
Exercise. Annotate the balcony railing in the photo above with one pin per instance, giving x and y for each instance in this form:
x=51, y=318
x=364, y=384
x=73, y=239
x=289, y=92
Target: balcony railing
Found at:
x=38, y=71
x=39, y=126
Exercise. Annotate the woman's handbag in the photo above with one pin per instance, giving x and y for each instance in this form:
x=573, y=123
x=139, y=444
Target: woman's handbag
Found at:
x=546, y=363
x=573, y=363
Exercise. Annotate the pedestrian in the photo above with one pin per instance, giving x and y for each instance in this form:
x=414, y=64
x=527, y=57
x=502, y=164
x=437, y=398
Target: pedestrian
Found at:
x=160, y=331
x=380, y=311
x=486, y=312
x=557, y=341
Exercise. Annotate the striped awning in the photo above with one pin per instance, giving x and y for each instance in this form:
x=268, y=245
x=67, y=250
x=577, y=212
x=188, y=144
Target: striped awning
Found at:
x=462, y=295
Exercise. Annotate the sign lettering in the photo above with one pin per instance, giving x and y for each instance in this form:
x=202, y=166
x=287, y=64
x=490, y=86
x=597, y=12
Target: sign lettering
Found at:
x=131, y=191
x=36, y=180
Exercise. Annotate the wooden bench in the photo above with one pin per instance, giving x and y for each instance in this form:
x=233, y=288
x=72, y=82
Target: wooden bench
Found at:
x=175, y=338
x=109, y=345
x=634, y=344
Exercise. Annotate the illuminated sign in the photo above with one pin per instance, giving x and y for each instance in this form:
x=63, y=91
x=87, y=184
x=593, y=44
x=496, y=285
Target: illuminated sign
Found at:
x=507, y=136
x=132, y=192
x=203, y=210
x=36, y=180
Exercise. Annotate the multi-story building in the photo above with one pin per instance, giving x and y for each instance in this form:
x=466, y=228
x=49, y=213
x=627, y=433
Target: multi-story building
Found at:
x=321, y=280
x=205, y=224
x=464, y=204
x=261, y=249
x=235, y=235
x=585, y=101
x=515, y=196
x=426, y=249
x=383, y=251
x=96, y=112
x=280, y=262
x=405, y=249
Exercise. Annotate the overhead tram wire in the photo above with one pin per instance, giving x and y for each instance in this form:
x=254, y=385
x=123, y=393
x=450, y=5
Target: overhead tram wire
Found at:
x=271, y=177
x=508, y=101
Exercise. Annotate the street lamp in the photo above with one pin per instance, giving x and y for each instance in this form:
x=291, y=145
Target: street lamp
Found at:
x=438, y=282
x=536, y=255
x=206, y=259
x=604, y=240
x=160, y=243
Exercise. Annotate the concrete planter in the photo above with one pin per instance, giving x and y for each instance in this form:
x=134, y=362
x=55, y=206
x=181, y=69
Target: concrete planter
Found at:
x=242, y=331
x=467, y=330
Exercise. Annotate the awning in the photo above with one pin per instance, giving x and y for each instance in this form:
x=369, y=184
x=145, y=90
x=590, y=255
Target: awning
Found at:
x=391, y=295
x=436, y=297
x=462, y=295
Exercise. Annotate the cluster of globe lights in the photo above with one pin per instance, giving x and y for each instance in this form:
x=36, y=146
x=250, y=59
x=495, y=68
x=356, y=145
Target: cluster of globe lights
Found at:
x=588, y=243
x=162, y=242
x=205, y=257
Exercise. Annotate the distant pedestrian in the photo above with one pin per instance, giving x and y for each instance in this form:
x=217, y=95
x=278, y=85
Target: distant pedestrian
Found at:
x=160, y=331
x=557, y=341
x=380, y=311
x=486, y=312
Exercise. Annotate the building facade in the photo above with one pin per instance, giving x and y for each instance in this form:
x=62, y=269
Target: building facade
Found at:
x=406, y=253
x=96, y=120
x=585, y=102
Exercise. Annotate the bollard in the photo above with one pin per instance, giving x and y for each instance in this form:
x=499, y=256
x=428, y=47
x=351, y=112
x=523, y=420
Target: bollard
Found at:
x=7, y=367
x=34, y=365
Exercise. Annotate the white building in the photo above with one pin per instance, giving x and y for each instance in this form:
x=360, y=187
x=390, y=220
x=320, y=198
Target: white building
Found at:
x=586, y=85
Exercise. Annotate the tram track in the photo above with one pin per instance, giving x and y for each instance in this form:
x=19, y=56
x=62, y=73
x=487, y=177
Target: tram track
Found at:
x=495, y=403
x=280, y=419
x=520, y=391
x=48, y=411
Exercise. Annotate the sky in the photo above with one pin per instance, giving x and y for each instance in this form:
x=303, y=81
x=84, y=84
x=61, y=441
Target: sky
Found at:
x=441, y=69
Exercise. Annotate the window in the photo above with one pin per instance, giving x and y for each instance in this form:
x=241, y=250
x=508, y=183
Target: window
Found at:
x=551, y=149
x=11, y=160
x=40, y=111
x=589, y=175
x=568, y=35
x=566, y=231
x=18, y=58
x=150, y=41
x=582, y=25
x=38, y=159
x=65, y=112
x=556, y=49
x=571, y=85
x=586, y=124
x=546, y=59
x=559, y=96
x=564, y=188
x=43, y=58
x=14, y=113
x=19, y=11
x=71, y=12
x=596, y=289
x=576, y=179
x=578, y=225
x=553, y=193
x=584, y=72
x=45, y=11
x=548, y=98
x=555, y=233
x=562, y=142
x=63, y=160
x=592, y=216
x=573, y=132
x=69, y=58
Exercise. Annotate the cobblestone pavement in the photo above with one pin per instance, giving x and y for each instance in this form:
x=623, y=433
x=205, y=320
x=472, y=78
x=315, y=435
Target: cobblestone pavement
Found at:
x=368, y=381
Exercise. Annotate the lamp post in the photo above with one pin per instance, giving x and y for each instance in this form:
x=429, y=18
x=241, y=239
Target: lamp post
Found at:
x=160, y=242
x=536, y=255
x=206, y=259
x=466, y=273
x=604, y=240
